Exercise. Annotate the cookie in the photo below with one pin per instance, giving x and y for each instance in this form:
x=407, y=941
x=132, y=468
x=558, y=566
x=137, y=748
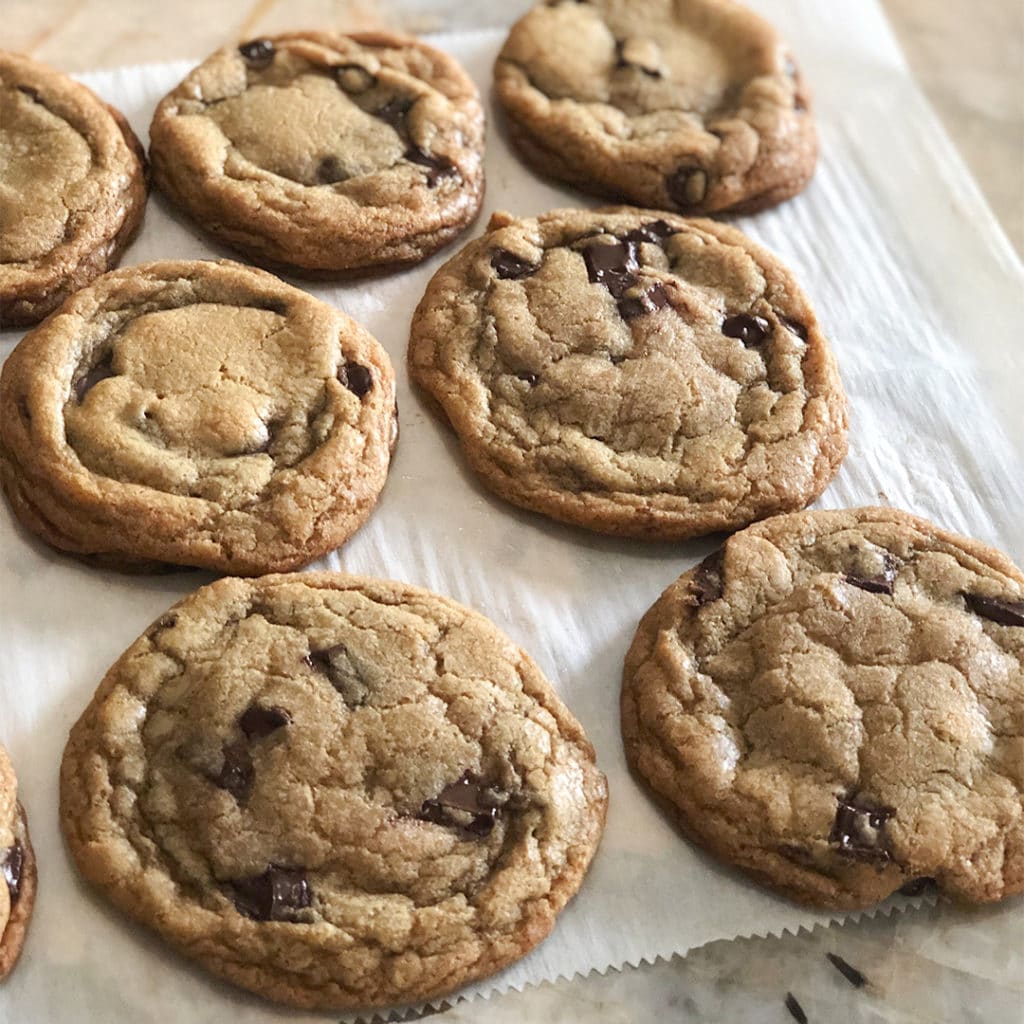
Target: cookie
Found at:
x=17, y=869
x=834, y=702
x=325, y=153
x=334, y=791
x=693, y=106
x=72, y=188
x=196, y=413
x=632, y=372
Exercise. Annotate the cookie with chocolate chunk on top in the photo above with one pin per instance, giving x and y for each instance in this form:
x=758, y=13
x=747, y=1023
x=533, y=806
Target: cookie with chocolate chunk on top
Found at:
x=693, y=106
x=834, y=702
x=17, y=869
x=334, y=791
x=324, y=153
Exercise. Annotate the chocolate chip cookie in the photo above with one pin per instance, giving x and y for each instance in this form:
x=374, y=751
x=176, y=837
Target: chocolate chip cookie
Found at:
x=72, y=188
x=834, y=702
x=17, y=869
x=196, y=413
x=325, y=153
x=334, y=791
x=632, y=372
x=694, y=106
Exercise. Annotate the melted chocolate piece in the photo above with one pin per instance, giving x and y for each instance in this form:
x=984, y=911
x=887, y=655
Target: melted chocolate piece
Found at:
x=655, y=232
x=531, y=378
x=13, y=867
x=996, y=609
x=258, y=54
x=511, y=267
x=99, y=371
x=611, y=265
x=394, y=111
x=32, y=94
x=796, y=1011
x=467, y=805
x=329, y=171
x=794, y=327
x=354, y=78
x=438, y=167
x=708, y=584
x=751, y=330
x=917, y=886
x=655, y=297
x=258, y=721
x=687, y=186
x=858, y=830
x=236, y=774
x=275, y=895
x=848, y=971
x=882, y=584
x=357, y=378
x=336, y=663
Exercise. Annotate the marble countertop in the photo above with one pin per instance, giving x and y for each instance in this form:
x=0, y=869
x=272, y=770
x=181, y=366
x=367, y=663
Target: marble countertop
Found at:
x=932, y=965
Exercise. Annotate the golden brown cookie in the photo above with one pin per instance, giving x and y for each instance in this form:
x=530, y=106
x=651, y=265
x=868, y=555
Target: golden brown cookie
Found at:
x=331, y=790
x=632, y=372
x=17, y=869
x=834, y=702
x=196, y=413
x=72, y=188
x=689, y=105
x=325, y=153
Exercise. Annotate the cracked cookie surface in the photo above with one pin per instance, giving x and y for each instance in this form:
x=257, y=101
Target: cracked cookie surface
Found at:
x=693, y=106
x=323, y=152
x=632, y=372
x=196, y=413
x=334, y=791
x=17, y=869
x=835, y=702
x=72, y=188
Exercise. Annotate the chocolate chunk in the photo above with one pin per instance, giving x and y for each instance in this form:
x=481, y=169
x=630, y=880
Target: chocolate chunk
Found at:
x=751, y=330
x=258, y=721
x=655, y=297
x=612, y=265
x=917, y=886
x=688, y=186
x=358, y=379
x=996, y=609
x=881, y=584
x=13, y=866
x=32, y=94
x=794, y=327
x=848, y=971
x=655, y=232
x=354, y=78
x=236, y=773
x=329, y=170
x=258, y=54
x=511, y=267
x=467, y=805
x=796, y=1011
x=100, y=370
x=276, y=895
x=395, y=111
x=531, y=378
x=337, y=664
x=859, y=830
x=438, y=167
x=708, y=583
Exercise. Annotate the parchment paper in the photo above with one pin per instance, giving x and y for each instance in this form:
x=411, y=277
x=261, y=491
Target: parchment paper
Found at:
x=920, y=294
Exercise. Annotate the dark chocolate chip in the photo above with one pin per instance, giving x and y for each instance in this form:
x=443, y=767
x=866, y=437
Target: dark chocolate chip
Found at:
x=848, y=971
x=258, y=54
x=438, y=167
x=394, y=111
x=100, y=370
x=531, y=378
x=236, y=773
x=688, y=186
x=708, y=583
x=794, y=327
x=655, y=297
x=336, y=663
x=357, y=378
x=654, y=232
x=917, y=886
x=258, y=721
x=468, y=805
x=511, y=267
x=859, y=829
x=751, y=330
x=611, y=265
x=354, y=78
x=329, y=170
x=13, y=869
x=996, y=609
x=32, y=94
x=275, y=895
x=881, y=584
x=796, y=1011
